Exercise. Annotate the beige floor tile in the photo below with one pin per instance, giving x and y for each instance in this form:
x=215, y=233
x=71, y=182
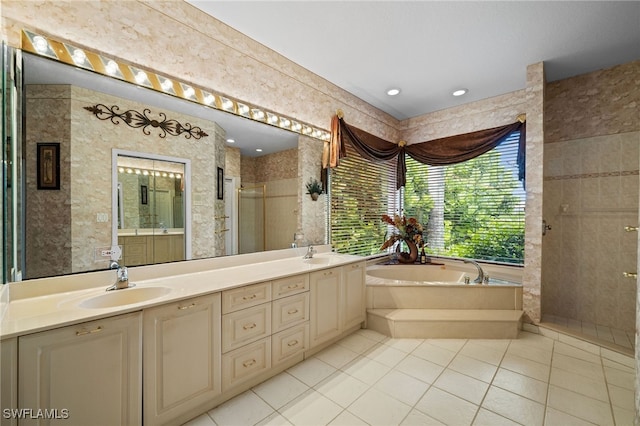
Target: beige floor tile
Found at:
x=357, y=343
x=530, y=352
x=337, y=356
x=347, y=419
x=495, y=344
x=579, y=343
x=245, y=409
x=536, y=340
x=311, y=371
x=488, y=418
x=482, y=352
x=280, y=389
x=623, y=417
x=373, y=335
x=617, y=377
x=615, y=359
x=580, y=406
x=554, y=417
x=416, y=418
x=572, y=351
x=201, y=420
x=377, y=408
x=460, y=385
x=574, y=365
x=451, y=344
x=522, y=385
x=447, y=408
x=366, y=370
x=621, y=397
x=474, y=368
x=341, y=388
x=386, y=355
x=514, y=407
x=402, y=387
x=420, y=369
x=311, y=408
x=275, y=419
x=526, y=367
x=579, y=384
x=404, y=345
x=433, y=353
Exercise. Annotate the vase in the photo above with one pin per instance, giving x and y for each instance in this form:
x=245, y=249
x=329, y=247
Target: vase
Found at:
x=314, y=196
x=411, y=256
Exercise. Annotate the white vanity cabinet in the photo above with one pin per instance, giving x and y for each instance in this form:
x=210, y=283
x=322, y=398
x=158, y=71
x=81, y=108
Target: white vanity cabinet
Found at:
x=9, y=375
x=337, y=301
x=90, y=372
x=182, y=357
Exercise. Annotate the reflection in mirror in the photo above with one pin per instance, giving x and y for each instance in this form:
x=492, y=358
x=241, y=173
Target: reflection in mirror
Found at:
x=66, y=228
x=151, y=208
x=251, y=211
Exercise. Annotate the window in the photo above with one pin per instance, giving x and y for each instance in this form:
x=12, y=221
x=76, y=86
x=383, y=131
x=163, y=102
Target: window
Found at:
x=361, y=192
x=473, y=209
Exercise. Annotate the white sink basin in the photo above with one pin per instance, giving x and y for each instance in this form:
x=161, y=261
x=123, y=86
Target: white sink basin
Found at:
x=318, y=260
x=123, y=297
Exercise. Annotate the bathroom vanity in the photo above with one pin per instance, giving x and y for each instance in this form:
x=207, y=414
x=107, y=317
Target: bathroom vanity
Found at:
x=212, y=335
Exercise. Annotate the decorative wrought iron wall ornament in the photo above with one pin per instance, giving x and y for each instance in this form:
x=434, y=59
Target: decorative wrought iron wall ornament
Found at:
x=136, y=119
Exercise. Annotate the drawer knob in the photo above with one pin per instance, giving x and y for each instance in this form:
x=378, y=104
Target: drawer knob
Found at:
x=253, y=296
x=292, y=343
x=249, y=363
x=292, y=286
x=85, y=332
x=182, y=308
x=292, y=311
x=249, y=326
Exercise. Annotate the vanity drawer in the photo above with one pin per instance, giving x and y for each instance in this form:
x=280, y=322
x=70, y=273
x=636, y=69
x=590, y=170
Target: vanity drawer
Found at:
x=289, y=311
x=290, y=285
x=246, y=326
x=245, y=297
x=246, y=362
x=289, y=342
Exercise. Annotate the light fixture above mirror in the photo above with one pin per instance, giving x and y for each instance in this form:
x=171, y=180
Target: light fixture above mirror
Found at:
x=92, y=61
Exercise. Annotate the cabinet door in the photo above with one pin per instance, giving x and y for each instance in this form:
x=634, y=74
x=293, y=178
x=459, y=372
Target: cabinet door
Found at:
x=353, y=295
x=9, y=374
x=90, y=372
x=325, y=316
x=181, y=357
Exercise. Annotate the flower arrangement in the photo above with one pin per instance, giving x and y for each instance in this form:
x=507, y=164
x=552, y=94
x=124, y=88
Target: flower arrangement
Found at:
x=408, y=229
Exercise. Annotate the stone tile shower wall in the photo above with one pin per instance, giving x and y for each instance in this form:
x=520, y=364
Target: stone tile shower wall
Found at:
x=590, y=195
x=591, y=162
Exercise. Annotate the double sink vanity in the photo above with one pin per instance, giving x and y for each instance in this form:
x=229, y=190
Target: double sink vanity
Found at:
x=187, y=337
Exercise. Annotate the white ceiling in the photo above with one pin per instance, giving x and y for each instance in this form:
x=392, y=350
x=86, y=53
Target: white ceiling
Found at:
x=430, y=48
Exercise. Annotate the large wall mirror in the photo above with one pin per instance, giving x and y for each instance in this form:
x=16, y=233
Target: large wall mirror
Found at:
x=68, y=223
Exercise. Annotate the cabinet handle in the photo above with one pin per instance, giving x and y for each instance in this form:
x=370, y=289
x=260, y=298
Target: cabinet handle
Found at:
x=631, y=228
x=249, y=326
x=328, y=273
x=630, y=274
x=84, y=332
x=253, y=296
x=182, y=308
x=292, y=343
x=292, y=286
x=249, y=363
x=292, y=311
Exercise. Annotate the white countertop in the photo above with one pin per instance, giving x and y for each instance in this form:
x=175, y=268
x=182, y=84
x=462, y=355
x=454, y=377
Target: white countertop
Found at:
x=33, y=314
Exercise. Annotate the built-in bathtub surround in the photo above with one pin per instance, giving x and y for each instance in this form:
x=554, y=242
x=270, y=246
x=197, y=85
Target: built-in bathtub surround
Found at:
x=433, y=301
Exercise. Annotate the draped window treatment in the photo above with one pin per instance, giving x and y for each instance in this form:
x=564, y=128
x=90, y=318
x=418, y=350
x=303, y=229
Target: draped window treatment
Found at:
x=437, y=152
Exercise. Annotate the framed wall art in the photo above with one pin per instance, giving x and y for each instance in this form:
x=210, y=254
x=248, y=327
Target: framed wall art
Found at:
x=48, y=174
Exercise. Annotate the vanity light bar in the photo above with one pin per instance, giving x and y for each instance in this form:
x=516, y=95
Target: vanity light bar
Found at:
x=83, y=58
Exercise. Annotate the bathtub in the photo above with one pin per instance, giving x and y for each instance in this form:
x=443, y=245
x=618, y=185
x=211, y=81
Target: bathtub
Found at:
x=437, y=287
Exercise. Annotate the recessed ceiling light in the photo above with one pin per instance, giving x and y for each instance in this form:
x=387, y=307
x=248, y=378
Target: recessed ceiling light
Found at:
x=258, y=150
x=231, y=140
x=460, y=92
x=393, y=92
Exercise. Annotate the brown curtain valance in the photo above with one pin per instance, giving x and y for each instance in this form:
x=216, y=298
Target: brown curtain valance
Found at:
x=437, y=152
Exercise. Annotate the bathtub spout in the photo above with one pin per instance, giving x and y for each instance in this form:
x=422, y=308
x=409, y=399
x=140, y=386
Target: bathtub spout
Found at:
x=480, y=278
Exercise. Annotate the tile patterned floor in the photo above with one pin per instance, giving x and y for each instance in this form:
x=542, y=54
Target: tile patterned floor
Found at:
x=370, y=379
x=625, y=339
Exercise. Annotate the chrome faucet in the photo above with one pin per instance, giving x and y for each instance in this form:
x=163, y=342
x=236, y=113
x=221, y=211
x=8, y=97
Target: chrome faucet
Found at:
x=122, y=277
x=310, y=252
x=480, y=278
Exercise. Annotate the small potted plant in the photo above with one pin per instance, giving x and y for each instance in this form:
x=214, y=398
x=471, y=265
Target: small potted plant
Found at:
x=314, y=188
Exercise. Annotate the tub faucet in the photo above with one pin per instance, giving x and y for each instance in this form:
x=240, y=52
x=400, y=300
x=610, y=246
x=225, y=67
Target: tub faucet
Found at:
x=480, y=278
x=310, y=252
x=122, y=277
